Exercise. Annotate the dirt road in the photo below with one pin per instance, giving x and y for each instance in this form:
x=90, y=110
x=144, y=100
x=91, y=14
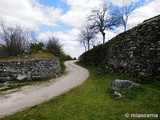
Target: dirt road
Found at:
x=29, y=96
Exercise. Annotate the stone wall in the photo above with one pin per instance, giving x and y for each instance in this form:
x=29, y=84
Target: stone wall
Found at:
x=136, y=51
x=29, y=70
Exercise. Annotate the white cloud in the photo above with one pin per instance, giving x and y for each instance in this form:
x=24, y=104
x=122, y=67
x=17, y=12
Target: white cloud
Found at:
x=32, y=14
x=145, y=12
x=68, y=40
x=122, y=2
x=28, y=13
x=79, y=9
x=110, y=35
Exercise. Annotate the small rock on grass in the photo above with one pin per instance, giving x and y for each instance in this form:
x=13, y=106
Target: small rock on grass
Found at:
x=117, y=94
x=122, y=84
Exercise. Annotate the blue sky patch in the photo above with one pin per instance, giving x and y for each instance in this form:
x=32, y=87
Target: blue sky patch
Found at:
x=56, y=4
x=60, y=27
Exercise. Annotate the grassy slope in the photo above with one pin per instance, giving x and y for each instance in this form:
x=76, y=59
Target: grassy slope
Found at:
x=40, y=55
x=94, y=101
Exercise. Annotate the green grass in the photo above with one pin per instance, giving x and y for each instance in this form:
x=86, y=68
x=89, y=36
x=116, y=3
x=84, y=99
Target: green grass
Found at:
x=93, y=100
x=40, y=55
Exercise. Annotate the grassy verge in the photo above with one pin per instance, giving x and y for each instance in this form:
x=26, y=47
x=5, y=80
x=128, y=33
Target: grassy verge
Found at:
x=95, y=101
x=40, y=55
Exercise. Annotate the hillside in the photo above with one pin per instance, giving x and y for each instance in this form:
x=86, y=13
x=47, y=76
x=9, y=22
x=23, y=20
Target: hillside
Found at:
x=135, y=52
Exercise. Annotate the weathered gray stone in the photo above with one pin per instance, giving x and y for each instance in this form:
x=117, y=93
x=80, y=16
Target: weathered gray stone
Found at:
x=117, y=94
x=21, y=77
x=122, y=84
x=135, y=52
x=29, y=70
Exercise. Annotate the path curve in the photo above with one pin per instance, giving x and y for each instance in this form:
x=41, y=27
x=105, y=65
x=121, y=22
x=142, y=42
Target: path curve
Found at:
x=32, y=95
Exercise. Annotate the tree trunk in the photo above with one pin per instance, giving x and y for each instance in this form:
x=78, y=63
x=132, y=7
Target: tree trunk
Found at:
x=88, y=45
x=125, y=23
x=85, y=47
x=103, y=34
x=125, y=28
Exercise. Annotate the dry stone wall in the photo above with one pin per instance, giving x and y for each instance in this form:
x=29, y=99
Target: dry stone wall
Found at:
x=136, y=51
x=29, y=70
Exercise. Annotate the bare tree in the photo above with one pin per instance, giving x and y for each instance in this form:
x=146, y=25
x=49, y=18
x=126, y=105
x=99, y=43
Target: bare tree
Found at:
x=86, y=34
x=83, y=42
x=124, y=10
x=15, y=40
x=54, y=47
x=102, y=20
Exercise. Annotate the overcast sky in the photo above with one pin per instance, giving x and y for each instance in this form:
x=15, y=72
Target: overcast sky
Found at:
x=64, y=18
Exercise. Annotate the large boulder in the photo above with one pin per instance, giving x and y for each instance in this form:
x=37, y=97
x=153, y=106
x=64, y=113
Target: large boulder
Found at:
x=122, y=84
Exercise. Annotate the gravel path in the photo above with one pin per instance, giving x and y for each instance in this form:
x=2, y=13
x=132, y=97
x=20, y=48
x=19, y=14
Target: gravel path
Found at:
x=29, y=96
